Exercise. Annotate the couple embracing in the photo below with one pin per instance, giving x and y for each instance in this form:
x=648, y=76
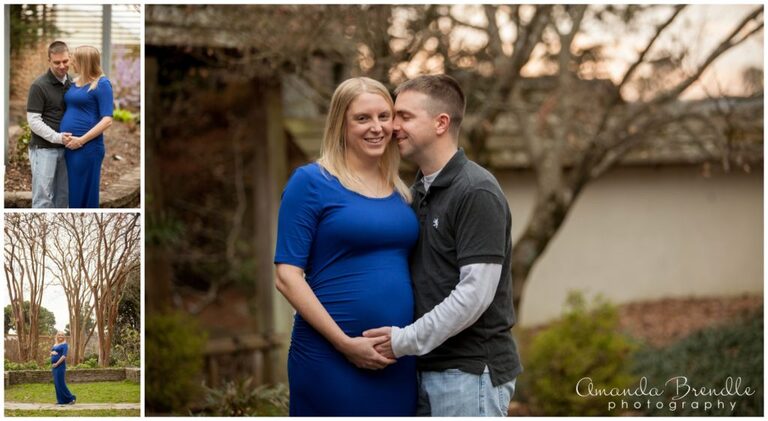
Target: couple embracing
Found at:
x=403, y=296
x=67, y=118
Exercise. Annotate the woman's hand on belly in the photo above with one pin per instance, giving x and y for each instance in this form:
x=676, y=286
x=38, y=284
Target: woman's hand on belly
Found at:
x=361, y=352
x=74, y=143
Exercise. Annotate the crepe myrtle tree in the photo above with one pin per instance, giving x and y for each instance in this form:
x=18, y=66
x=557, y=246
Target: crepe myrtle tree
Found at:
x=98, y=254
x=25, y=249
x=72, y=254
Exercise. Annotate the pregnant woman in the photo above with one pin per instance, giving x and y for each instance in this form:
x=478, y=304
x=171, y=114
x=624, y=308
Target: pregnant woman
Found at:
x=89, y=112
x=345, y=231
x=59, y=369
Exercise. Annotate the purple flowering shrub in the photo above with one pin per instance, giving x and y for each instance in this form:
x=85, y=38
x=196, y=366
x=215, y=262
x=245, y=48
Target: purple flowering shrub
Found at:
x=126, y=77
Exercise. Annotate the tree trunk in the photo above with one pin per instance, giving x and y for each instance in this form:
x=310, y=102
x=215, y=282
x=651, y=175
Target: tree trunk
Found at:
x=548, y=215
x=103, y=346
x=74, y=335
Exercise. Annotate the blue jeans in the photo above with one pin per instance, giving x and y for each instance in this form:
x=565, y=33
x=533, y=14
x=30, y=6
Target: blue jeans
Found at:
x=49, y=178
x=454, y=393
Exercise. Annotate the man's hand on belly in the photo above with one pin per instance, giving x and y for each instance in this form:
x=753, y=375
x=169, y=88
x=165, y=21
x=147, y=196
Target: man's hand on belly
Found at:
x=362, y=353
x=384, y=348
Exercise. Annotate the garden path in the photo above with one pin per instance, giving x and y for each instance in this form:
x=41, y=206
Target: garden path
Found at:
x=78, y=406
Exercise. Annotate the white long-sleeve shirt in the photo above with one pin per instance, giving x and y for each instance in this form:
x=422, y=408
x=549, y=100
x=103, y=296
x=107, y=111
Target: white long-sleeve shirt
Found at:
x=463, y=307
x=38, y=127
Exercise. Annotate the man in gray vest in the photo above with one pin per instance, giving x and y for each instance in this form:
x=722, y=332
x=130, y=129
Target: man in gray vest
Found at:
x=460, y=268
x=45, y=109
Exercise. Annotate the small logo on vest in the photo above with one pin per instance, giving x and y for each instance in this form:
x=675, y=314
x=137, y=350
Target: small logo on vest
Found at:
x=435, y=222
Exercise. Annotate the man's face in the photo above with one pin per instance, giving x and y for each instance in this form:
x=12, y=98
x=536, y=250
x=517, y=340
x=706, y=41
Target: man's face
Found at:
x=414, y=128
x=59, y=63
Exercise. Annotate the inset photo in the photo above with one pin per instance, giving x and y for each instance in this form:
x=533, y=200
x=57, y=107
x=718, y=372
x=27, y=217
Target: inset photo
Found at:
x=72, y=314
x=72, y=106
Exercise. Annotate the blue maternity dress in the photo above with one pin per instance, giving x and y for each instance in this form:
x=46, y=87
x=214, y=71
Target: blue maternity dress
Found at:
x=354, y=252
x=84, y=110
x=63, y=395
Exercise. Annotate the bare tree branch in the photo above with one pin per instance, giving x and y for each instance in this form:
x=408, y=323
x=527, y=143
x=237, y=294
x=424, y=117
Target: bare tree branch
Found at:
x=611, y=107
x=508, y=73
x=494, y=35
x=630, y=139
x=641, y=58
x=730, y=42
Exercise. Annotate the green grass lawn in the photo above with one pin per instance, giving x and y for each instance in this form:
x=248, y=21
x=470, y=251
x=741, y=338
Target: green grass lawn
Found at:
x=86, y=413
x=97, y=392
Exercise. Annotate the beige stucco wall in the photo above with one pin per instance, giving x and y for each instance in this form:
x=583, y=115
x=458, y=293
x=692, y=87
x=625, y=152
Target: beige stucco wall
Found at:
x=644, y=233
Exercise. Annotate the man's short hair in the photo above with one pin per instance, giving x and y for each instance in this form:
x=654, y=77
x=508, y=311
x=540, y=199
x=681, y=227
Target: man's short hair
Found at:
x=57, y=47
x=445, y=96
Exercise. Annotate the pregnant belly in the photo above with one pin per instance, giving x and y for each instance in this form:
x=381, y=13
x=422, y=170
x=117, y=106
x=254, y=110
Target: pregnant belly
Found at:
x=358, y=302
x=76, y=123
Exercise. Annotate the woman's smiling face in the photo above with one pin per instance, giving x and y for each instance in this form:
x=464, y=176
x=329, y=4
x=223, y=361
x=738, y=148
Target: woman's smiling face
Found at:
x=369, y=126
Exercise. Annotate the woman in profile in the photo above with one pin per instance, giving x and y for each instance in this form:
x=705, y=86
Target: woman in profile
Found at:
x=89, y=111
x=59, y=369
x=345, y=230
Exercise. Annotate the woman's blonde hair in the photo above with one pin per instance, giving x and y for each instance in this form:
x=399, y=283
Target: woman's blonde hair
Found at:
x=88, y=61
x=333, y=148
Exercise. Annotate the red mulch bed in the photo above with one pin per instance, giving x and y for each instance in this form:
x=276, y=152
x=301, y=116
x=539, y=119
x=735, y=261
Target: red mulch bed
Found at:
x=662, y=322
x=121, y=140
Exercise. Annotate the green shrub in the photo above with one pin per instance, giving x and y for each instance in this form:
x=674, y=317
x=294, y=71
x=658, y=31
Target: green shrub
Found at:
x=706, y=359
x=163, y=229
x=584, y=342
x=91, y=361
x=92, y=356
x=22, y=143
x=123, y=115
x=174, y=358
x=29, y=365
x=128, y=352
x=239, y=398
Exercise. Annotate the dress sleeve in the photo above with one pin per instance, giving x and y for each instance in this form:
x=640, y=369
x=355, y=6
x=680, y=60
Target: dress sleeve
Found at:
x=105, y=98
x=64, y=349
x=299, y=215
